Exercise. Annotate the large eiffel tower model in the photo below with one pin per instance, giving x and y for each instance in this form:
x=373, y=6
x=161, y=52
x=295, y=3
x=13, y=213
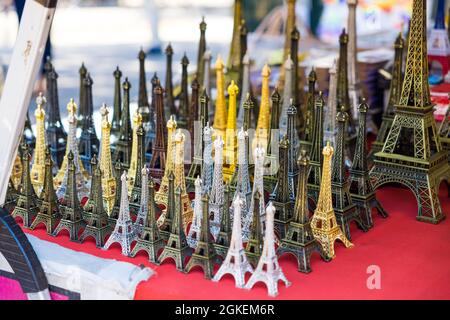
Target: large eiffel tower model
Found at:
x=135, y=194
x=422, y=163
x=394, y=97
x=299, y=240
x=234, y=56
x=177, y=247
x=316, y=160
x=254, y=246
x=137, y=123
x=56, y=135
x=48, y=213
x=88, y=141
x=230, y=152
x=158, y=159
x=224, y=236
x=122, y=152
x=150, y=239
x=82, y=72
x=183, y=115
x=216, y=200
x=117, y=108
x=72, y=146
x=361, y=189
x=204, y=254
x=123, y=231
x=70, y=208
x=164, y=221
x=97, y=225
x=220, y=112
x=330, y=111
x=235, y=262
x=38, y=166
x=169, y=100
x=108, y=182
x=280, y=197
x=27, y=202
x=194, y=231
x=323, y=223
x=268, y=269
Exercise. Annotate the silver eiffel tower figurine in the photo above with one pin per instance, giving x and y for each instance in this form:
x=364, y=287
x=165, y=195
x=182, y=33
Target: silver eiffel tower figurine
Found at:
x=208, y=165
x=287, y=96
x=216, y=198
x=268, y=269
x=123, y=231
x=235, y=262
x=194, y=232
x=142, y=215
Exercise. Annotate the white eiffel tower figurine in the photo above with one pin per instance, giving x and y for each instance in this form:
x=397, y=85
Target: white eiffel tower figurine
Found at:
x=216, y=197
x=208, y=164
x=194, y=232
x=123, y=231
x=268, y=269
x=141, y=217
x=235, y=262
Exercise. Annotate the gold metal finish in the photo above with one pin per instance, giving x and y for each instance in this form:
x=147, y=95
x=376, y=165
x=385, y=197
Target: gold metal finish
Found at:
x=220, y=114
x=137, y=122
x=108, y=181
x=38, y=167
x=230, y=152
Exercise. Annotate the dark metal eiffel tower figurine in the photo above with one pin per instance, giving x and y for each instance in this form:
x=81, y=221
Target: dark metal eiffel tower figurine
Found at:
x=281, y=197
x=94, y=214
x=295, y=38
x=117, y=109
x=243, y=33
x=27, y=201
x=158, y=159
x=194, y=112
x=81, y=99
x=310, y=116
x=122, y=152
x=223, y=239
x=204, y=255
x=177, y=247
x=394, y=96
x=143, y=105
x=150, y=239
x=361, y=189
x=116, y=208
x=254, y=246
x=71, y=212
x=28, y=134
x=183, y=114
x=421, y=163
x=201, y=51
x=55, y=133
x=316, y=160
x=135, y=197
x=345, y=210
x=299, y=239
x=292, y=151
x=168, y=98
x=234, y=56
x=49, y=209
x=151, y=132
x=88, y=144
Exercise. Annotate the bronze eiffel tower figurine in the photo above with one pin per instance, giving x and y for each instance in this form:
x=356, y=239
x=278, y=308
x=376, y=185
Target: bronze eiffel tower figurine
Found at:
x=421, y=163
x=169, y=100
x=299, y=239
x=135, y=197
x=117, y=109
x=177, y=247
x=122, y=152
x=254, y=246
x=71, y=212
x=169, y=213
x=361, y=189
x=49, y=209
x=204, y=254
x=159, y=146
x=345, y=210
x=97, y=225
x=27, y=201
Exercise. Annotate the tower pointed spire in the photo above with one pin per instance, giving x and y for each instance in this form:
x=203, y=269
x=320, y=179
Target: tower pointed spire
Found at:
x=122, y=152
x=117, y=108
x=201, y=51
x=263, y=124
x=82, y=72
x=135, y=194
x=234, y=56
x=220, y=113
x=287, y=94
x=184, y=115
x=143, y=104
x=169, y=100
x=159, y=146
x=108, y=182
x=329, y=123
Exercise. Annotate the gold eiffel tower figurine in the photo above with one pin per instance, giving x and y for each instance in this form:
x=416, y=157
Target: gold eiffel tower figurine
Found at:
x=38, y=167
x=220, y=114
x=161, y=195
x=323, y=223
x=230, y=152
x=108, y=181
x=137, y=122
x=263, y=125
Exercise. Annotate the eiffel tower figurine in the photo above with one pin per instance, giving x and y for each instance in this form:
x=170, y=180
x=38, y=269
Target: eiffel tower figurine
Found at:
x=287, y=95
x=206, y=85
x=55, y=133
x=48, y=213
x=164, y=221
x=150, y=239
x=223, y=237
x=194, y=231
x=353, y=83
x=316, y=160
x=288, y=27
x=329, y=123
x=108, y=183
x=254, y=246
x=295, y=38
x=234, y=56
x=72, y=146
x=361, y=189
x=292, y=170
x=27, y=202
x=220, y=112
x=194, y=112
x=141, y=218
x=88, y=141
x=323, y=223
x=122, y=152
x=263, y=124
x=299, y=240
x=169, y=100
x=143, y=105
x=177, y=247
x=70, y=208
x=38, y=166
x=258, y=187
x=246, y=90
x=216, y=200
x=94, y=214
x=235, y=262
x=230, y=134
x=159, y=146
x=394, y=96
x=135, y=149
x=422, y=163
x=204, y=254
x=268, y=269
x=208, y=164
x=82, y=93
x=28, y=134
x=310, y=104
x=117, y=108
x=201, y=51
x=135, y=194
x=151, y=132
x=114, y=214
x=183, y=114
x=123, y=232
